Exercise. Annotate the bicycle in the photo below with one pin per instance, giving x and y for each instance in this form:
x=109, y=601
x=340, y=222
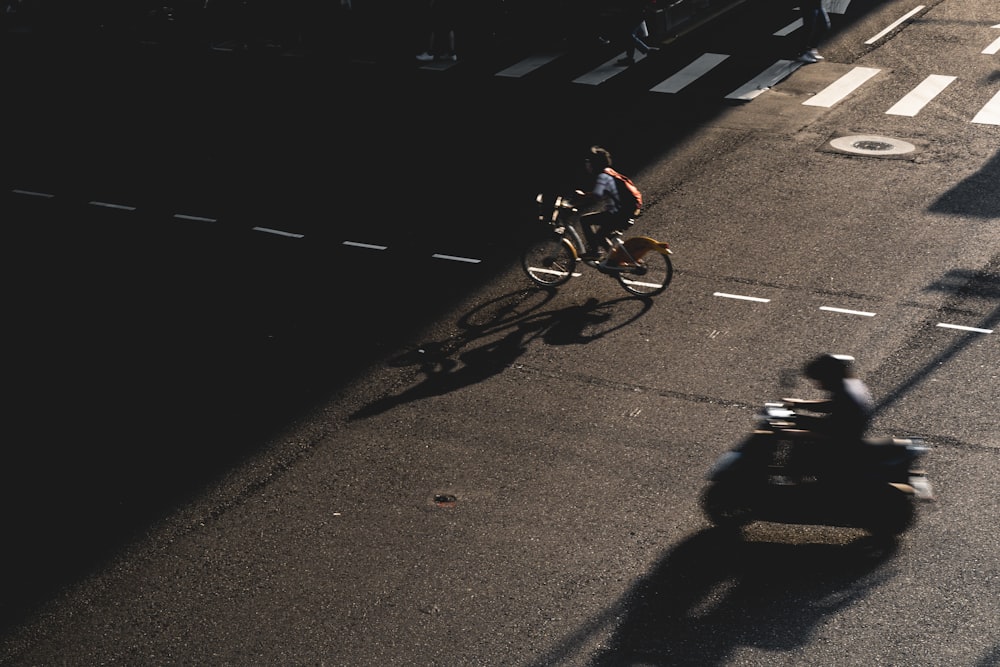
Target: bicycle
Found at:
x=641, y=265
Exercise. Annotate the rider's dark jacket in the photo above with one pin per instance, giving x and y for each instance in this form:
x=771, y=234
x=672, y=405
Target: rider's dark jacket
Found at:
x=848, y=412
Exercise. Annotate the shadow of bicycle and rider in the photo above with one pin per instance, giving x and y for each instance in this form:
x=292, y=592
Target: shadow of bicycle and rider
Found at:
x=495, y=334
x=710, y=596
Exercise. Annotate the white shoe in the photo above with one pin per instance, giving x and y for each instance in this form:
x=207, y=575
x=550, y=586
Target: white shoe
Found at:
x=808, y=58
x=425, y=57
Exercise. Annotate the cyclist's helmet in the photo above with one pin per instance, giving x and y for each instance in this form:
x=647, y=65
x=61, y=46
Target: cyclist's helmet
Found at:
x=830, y=367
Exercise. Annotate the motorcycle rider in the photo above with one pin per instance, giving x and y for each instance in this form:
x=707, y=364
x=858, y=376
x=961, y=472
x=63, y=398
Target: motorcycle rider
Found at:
x=846, y=413
x=837, y=423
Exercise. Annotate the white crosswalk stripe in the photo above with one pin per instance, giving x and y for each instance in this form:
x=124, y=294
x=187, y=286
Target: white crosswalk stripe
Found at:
x=918, y=98
x=837, y=91
x=989, y=114
x=690, y=73
x=763, y=81
x=842, y=87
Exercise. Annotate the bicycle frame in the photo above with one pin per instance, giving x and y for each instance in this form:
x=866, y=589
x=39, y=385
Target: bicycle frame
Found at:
x=627, y=261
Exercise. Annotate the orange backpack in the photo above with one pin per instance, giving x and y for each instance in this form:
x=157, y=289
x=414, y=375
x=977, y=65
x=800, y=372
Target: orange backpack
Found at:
x=629, y=197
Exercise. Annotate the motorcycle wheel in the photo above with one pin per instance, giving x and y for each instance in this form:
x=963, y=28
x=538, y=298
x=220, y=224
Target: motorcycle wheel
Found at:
x=726, y=505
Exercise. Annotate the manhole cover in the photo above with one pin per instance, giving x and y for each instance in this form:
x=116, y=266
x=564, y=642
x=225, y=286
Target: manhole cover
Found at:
x=868, y=144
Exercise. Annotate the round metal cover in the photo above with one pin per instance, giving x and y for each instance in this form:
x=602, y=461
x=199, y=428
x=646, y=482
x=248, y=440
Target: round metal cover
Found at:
x=870, y=144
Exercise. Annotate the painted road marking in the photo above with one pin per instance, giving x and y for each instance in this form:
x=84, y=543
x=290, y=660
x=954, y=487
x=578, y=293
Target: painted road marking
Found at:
x=600, y=74
x=528, y=65
x=278, y=232
x=31, y=193
x=104, y=204
x=846, y=311
x=366, y=246
x=918, y=98
x=789, y=29
x=194, y=218
x=455, y=258
x=989, y=114
x=763, y=81
x=895, y=25
x=842, y=87
x=741, y=297
x=701, y=66
x=943, y=325
x=832, y=7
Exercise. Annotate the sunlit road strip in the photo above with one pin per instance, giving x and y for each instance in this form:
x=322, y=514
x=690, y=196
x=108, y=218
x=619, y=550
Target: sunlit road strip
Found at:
x=845, y=311
x=454, y=258
x=278, y=232
x=104, y=204
x=31, y=193
x=741, y=297
x=944, y=325
x=918, y=98
x=366, y=246
x=895, y=25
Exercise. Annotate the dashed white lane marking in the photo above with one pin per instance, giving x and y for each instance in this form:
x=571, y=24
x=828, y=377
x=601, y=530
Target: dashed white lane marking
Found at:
x=696, y=69
x=944, y=325
x=528, y=65
x=455, y=258
x=278, y=232
x=895, y=25
x=104, y=204
x=741, y=297
x=846, y=311
x=193, y=218
x=989, y=114
x=763, y=81
x=842, y=87
x=367, y=246
x=31, y=193
x=918, y=98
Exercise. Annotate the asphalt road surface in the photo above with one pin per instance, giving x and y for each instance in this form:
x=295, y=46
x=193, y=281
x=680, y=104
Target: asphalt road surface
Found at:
x=279, y=392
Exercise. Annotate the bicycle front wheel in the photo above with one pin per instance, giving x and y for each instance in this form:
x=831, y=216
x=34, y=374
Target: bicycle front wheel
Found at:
x=657, y=272
x=549, y=262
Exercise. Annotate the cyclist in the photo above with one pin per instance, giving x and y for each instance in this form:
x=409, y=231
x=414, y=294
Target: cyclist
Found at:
x=601, y=209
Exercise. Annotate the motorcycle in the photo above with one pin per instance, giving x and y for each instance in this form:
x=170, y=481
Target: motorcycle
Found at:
x=782, y=473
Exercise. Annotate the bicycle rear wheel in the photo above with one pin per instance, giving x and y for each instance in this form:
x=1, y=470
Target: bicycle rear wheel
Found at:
x=549, y=262
x=657, y=274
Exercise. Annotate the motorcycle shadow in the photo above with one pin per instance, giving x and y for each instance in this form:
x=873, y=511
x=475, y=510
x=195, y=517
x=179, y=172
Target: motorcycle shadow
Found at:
x=713, y=595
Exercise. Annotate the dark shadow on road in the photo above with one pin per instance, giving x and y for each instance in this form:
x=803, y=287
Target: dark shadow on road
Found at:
x=496, y=333
x=134, y=396
x=963, y=286
x=715, y=593
x=976, y=196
